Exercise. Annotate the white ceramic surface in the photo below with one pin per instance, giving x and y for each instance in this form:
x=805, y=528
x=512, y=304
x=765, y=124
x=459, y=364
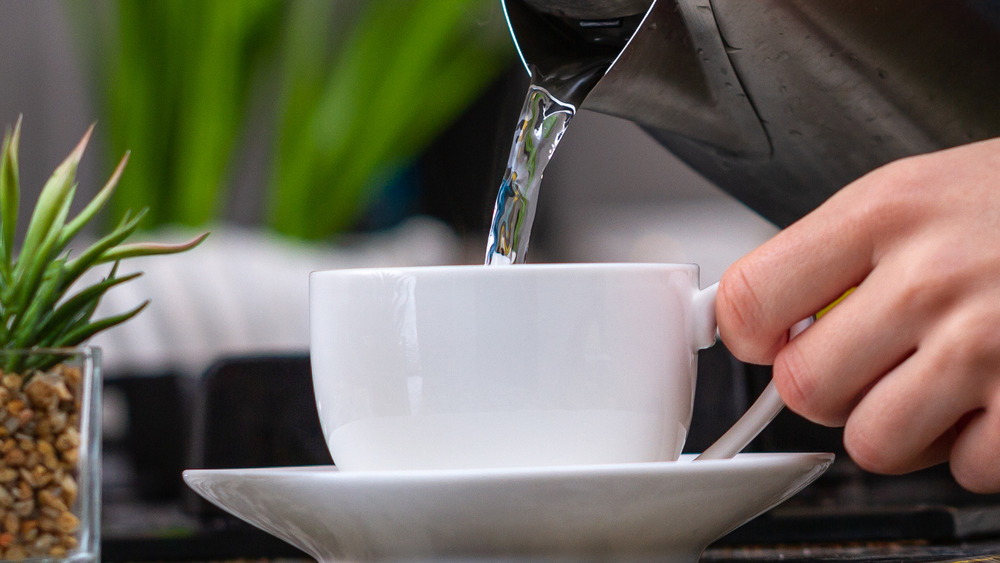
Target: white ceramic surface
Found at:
x=759, y=415
x=667, y=512
x=529, y=365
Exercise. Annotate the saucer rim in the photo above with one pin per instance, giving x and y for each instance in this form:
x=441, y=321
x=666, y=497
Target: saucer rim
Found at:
x=685, y=464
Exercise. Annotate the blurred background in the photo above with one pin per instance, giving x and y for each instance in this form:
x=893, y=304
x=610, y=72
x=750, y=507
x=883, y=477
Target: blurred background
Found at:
x=310, y=135
x=318, y=134
x=304, y=135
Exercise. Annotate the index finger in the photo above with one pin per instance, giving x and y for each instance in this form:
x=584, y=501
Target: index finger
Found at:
x=797, y=273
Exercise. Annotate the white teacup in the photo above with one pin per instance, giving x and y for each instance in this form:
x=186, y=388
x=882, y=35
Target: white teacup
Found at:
x=529, y=365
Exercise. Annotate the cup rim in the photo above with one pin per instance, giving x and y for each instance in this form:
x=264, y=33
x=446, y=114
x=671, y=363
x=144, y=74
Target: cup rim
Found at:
x=516, y=269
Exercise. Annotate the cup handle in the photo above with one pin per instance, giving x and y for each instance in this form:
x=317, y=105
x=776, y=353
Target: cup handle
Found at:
x=761, y=412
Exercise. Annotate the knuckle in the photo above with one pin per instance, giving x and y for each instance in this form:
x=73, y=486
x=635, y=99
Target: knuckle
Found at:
x=973, y=456
x=871, y=450
x=966, y=346
x=960, y=355
x=973, y=471
x=740, y=317
x=926, y=285
x=799, y=387
x=973, y=340
x=892, y=196
x=901, y=178
x=976, y=478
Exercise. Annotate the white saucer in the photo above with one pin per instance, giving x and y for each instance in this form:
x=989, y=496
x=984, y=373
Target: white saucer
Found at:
x=663, y=511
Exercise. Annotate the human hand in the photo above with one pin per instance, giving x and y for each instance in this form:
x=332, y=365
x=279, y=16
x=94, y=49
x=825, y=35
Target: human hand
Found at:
x=908, y=363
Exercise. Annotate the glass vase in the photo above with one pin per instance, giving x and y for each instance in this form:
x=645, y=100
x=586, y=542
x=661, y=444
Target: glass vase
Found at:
x=50, y=454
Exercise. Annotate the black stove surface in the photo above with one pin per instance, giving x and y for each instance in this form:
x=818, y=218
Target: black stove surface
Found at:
x=847, y=514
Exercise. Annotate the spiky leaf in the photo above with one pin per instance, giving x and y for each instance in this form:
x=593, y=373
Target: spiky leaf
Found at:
x=35, y=311
x=10, y=191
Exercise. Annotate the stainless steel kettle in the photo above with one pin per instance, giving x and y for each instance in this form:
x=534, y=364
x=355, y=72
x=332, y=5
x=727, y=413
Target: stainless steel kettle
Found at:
x=780, y=102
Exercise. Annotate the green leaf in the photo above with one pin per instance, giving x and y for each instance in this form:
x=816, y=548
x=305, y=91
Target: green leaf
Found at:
x=25, y=331
x=78, y=308
x=35, y=265
x=51, y=202
x=95, y=205
x=92, y=254
x=82, y=333
x=149, y=249
x=10, y=193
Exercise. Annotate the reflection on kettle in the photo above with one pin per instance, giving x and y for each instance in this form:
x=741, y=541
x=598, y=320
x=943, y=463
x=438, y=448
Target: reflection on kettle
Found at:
x=783, y=102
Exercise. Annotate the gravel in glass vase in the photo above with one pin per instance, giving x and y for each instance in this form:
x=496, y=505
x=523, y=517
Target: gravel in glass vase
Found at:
x=50, y=383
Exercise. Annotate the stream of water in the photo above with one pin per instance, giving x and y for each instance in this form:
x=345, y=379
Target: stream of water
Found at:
x=550, y=105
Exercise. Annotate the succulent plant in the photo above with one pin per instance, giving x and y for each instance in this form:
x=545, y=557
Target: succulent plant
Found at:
x=37, y=310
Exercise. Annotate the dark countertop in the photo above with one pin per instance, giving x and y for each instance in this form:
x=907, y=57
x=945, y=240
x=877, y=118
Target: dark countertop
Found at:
x=149, y=515
x=912, y=551
x=139, y=532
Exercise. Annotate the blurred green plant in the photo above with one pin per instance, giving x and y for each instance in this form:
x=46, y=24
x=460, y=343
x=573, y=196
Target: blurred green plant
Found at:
x=357, y=87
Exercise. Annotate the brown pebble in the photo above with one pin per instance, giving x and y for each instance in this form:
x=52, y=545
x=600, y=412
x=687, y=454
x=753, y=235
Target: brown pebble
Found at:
x=16, y=553
x=72, y=376
x=50, y=512
x=62, y=392
x=43, y=424
x=12, y=381
x=43, y=543
x=46, y=498
x=45, y=447
x=25, y=416
x=15, y=406
x=56, y=422
x=71, y=457
x=23, y=491
x=67, y=523
x=33, y=460
x=69, y=490
x=6, y=539
x=42, y=476
x=48, y=453
x=46, y=524
x=11, y=523
x=68, y=439
x=29, y=478
x=41, y=393
x=51, y=462
x=7, y=474
x=25, y=443
x=24, y=508
x=14, y=458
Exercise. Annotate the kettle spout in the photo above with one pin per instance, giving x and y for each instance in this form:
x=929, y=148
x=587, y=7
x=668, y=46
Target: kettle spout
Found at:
x=661, y=64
